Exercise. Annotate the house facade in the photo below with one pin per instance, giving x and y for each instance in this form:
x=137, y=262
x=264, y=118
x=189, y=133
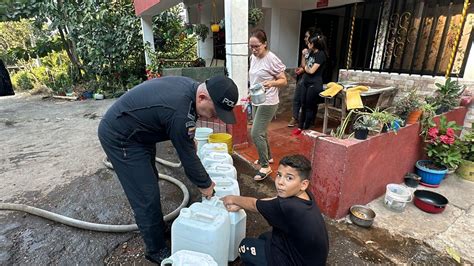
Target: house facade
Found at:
x=407, y=44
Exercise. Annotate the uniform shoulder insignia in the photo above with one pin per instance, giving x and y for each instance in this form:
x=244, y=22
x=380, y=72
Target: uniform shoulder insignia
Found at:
x=191, y=127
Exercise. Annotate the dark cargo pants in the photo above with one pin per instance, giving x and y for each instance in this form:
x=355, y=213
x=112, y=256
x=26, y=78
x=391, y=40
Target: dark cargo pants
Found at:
x=134, y=164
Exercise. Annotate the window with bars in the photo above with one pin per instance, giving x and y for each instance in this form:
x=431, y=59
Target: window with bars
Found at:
x=412, y=36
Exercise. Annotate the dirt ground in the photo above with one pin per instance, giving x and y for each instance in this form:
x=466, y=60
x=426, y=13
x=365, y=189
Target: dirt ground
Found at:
x=50, y=158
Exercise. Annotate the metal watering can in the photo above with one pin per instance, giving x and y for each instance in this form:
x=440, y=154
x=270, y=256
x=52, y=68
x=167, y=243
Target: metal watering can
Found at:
x=257, y=94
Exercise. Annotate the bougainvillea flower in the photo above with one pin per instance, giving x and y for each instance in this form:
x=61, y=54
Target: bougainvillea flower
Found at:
x=433, y=132
x=450, y=132
x=446, y=139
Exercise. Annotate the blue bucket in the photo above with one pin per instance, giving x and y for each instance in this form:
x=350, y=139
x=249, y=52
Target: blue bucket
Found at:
x=430, y=176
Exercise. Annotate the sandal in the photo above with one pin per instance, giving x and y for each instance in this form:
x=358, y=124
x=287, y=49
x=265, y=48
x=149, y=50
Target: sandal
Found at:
x=261, y=176
x=258, y=161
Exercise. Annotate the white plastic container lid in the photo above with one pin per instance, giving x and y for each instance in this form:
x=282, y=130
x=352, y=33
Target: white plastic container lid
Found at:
x=188, y=258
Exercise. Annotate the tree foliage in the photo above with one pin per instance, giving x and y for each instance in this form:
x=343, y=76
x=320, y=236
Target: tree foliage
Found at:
x=103, y=38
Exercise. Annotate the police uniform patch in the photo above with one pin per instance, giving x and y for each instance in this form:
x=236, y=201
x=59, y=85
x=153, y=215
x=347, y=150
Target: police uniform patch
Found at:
x=191, y=126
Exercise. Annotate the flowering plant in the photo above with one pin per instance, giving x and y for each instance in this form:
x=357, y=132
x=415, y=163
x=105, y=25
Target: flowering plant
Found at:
x=443, y=146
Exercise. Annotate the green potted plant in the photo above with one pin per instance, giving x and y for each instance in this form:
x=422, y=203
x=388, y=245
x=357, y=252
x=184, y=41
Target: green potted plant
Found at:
x=466, y=166
x=408, y=108
x=428, y=113
x=443, y=148
x=362, y=125
x=255, y=15
x=447, y=96
x=341, y=129
x=202, y=31
x=386, y=120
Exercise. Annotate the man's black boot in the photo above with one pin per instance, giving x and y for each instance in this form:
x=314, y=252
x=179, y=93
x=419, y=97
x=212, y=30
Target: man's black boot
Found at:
x=158, y=256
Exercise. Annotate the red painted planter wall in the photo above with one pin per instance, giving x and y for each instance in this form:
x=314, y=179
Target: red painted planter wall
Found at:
x=350, y=171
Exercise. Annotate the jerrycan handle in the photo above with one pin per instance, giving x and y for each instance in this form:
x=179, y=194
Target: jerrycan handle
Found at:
x=256, y=87
x=222, y=167
x=223, y=183
x=219, y=155
x=214, y=201
x=204, y=215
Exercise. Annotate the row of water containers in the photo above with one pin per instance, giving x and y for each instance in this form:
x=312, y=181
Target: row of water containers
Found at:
x=206, y=233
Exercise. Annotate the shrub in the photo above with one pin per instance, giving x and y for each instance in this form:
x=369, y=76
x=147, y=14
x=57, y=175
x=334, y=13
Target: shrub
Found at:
x=23, y=80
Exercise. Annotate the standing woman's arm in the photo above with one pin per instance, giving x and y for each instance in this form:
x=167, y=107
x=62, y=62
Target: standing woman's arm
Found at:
x=280, y=81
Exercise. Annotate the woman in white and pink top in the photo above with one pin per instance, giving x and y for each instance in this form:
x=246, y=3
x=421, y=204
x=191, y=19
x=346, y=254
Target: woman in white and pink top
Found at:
x=267, y=69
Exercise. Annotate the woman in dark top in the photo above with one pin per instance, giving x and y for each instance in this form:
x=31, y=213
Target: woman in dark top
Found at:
x=312, y=84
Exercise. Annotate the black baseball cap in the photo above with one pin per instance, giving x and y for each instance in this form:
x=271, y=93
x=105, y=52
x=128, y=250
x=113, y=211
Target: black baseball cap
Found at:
x=224, y=94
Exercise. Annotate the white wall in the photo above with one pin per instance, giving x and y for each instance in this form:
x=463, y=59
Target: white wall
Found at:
x=283, y=29
x=289, y=39
x=469, y=70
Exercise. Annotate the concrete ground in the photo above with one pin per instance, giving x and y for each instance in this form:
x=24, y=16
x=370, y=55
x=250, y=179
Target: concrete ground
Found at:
x=451, y=231
x=50, y=158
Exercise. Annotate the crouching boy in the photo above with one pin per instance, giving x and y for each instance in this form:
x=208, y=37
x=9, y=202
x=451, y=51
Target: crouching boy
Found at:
x=298, y=235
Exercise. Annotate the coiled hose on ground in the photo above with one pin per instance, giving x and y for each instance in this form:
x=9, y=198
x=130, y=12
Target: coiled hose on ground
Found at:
x=111, y=228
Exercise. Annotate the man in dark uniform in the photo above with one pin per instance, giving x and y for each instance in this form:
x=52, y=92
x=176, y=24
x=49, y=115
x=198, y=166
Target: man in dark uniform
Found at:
x=158, y=110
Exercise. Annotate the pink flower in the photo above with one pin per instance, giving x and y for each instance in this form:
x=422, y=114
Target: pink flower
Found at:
x=433, y=132
x=450, y=132
x=446, y=139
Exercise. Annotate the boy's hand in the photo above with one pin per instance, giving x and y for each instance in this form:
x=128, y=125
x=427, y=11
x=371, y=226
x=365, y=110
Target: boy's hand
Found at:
x=232, y=208
x=229, y=203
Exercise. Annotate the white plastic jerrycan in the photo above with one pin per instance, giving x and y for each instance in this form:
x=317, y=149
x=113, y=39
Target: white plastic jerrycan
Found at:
x=201, y=137
x=238, y=226
x=221, y=169
x=202, y=228
x=225, y=186
x=189, y=258
x=217, y=157
x=212, y=147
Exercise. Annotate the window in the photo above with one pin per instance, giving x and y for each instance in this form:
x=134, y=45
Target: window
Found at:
x=414, y=37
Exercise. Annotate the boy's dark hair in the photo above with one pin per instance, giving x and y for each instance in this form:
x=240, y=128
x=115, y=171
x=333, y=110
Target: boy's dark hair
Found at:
x=299, y=163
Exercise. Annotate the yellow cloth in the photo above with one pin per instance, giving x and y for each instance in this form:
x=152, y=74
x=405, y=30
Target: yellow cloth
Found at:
x=353, y=99
x=331, y=90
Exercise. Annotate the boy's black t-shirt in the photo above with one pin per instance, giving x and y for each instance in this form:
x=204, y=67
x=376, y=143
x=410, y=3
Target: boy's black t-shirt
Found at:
x=299, y=235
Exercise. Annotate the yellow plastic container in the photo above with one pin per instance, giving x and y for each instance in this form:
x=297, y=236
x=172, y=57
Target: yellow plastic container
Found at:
x=222, y=138
x=466, y=170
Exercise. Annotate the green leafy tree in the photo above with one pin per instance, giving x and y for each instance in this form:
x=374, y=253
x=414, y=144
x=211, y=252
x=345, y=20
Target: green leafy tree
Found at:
x=174, y=44
x=103, y=38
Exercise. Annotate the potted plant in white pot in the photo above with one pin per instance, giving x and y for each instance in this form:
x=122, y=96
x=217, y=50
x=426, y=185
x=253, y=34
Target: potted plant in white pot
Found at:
x=99, y=95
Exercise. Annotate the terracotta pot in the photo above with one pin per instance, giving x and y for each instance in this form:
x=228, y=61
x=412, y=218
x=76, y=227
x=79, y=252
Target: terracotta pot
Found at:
x=414, y=116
